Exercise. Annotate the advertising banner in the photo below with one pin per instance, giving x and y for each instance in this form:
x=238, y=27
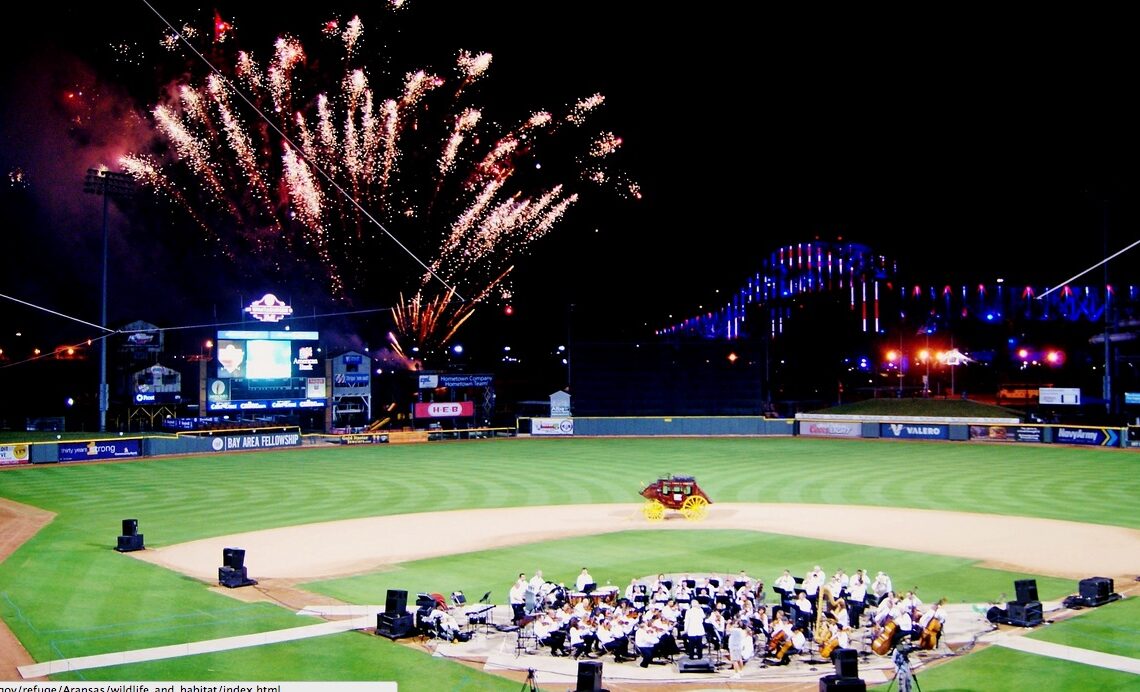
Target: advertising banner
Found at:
x=1065, y=396
x=1006, y=433
x=364, y=439
x=13, y=454
x=831, y=428
x=230, y=443
x=551, y=426
x=1101, y=437
x=465, y=380
x=445, y=409
x=98, y=449
x=914, y=431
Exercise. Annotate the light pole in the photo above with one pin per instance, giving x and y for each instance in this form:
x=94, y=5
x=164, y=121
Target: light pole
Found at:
x=107, y=184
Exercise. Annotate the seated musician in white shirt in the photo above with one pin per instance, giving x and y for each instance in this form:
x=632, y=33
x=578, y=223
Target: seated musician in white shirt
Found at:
x=583, y=579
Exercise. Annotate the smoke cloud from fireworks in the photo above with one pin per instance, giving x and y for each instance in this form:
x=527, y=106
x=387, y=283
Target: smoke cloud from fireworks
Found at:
x=376, y=185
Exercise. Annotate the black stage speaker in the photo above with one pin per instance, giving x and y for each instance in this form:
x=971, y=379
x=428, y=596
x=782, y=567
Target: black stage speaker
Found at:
x=1026, y=590
x=589, y=676
x=397, y=602
x=1024, y=614
x=829, y=683
x=129, y=544
x=395, y=625
x=1096, y=590
x=695, y=665
x=846, y=663
x=130, y=527
x=234, y=558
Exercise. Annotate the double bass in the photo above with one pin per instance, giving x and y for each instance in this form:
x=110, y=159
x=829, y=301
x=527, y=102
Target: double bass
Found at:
x=929, y=637
x=882, y=643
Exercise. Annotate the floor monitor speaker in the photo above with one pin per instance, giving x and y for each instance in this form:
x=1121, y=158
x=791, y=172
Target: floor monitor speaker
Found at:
x=589, y=676
x=395, y=625
x=695, y=665
x=1024, y=614
x=846, y=663
x=130, y=543
x=1096, y=589
x=836, y=683
x=1026, y=590
x=397, y=601
x=130, y=527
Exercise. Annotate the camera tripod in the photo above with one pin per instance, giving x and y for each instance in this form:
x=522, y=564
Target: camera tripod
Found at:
x=530, y=684
x=903, y=674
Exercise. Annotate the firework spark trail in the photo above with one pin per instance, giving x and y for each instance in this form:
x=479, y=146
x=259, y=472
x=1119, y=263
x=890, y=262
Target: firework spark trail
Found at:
x=449, y=182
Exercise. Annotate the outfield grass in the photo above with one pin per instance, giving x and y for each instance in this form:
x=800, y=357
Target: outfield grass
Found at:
x=67, y=593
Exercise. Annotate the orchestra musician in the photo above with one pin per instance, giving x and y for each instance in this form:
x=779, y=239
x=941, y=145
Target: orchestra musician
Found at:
x=547, y=632
x=785, y=585
x=583, y=579
x=813, y=580
x=582, y=637
x=517, y=597
x=716, y=628
x=857, y=596
x=839, y=613
x=612, y=640
x=794, y=643
x=646, y=639
x=881, y=586
x=694, y=627
x=838, y=583
x=930, y=626
x=901, y=615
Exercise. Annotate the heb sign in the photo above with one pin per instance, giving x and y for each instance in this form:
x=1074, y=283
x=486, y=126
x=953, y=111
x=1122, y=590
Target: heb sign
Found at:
x=830, y=429
x=551, y=426
x=445, y=409
x=98, y=449
x=913, y=431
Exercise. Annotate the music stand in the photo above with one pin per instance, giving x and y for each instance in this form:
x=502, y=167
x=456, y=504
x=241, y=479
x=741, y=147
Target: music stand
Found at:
x=589, y=588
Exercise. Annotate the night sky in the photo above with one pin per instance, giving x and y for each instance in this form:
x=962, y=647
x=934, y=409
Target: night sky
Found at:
x=968, y=145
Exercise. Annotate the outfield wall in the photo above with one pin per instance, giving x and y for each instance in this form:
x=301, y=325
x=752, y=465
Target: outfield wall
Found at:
x=898, y=427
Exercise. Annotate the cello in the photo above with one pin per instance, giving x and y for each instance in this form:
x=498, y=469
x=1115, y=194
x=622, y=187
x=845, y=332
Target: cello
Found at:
x=776, y=640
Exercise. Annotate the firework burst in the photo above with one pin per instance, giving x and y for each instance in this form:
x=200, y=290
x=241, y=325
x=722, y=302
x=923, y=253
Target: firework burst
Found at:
x=373, y=196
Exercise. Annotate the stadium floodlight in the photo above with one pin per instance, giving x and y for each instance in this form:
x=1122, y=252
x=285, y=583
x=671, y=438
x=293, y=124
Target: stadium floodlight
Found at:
x=108, y=184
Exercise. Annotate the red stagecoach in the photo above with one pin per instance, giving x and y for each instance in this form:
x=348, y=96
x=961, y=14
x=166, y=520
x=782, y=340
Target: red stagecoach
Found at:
x=675, y=492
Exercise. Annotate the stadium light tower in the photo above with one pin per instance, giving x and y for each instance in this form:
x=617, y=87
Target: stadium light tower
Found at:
x=108, y=184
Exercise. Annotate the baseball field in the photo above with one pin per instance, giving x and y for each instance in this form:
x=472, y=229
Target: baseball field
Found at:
x=961, y=521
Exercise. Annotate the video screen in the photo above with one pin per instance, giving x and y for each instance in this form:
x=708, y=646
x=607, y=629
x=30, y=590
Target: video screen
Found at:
x=260, y=355
x=268, y=360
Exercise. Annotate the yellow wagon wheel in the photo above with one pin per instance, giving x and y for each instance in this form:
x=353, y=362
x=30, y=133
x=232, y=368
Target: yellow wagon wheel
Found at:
x=653, y=510
x=695, y=507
